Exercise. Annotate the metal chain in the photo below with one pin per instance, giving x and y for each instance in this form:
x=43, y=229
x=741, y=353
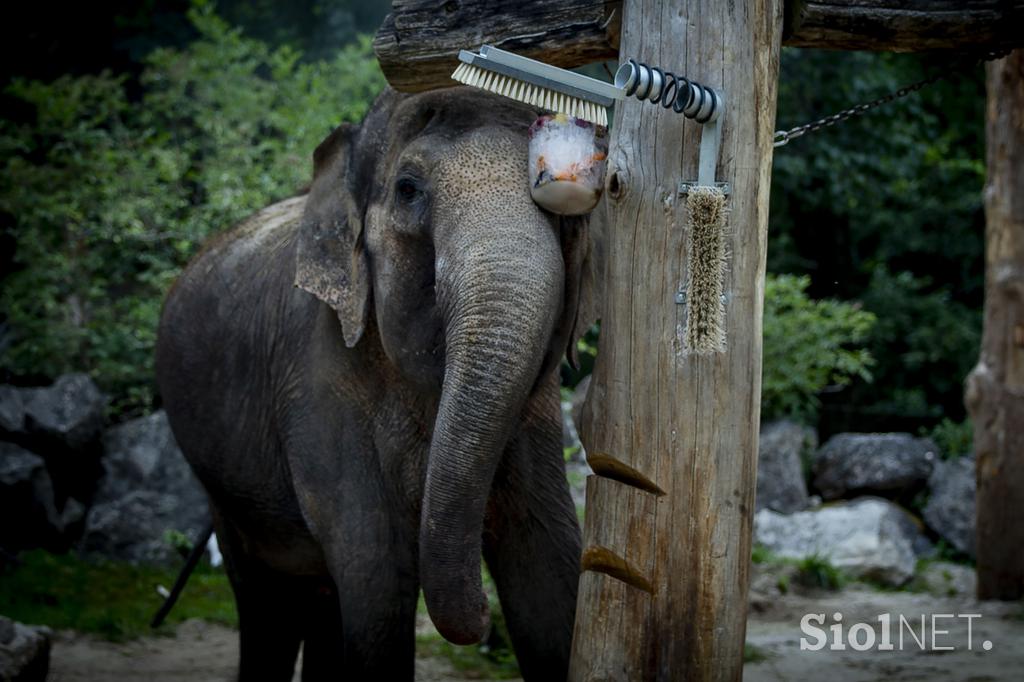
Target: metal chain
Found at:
x=782, y=137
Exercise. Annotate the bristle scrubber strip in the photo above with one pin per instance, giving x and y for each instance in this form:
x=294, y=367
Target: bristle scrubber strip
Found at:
x=705, y=278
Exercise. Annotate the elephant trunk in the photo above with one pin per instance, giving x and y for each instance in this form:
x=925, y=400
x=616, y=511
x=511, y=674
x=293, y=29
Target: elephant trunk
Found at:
x=502, y=298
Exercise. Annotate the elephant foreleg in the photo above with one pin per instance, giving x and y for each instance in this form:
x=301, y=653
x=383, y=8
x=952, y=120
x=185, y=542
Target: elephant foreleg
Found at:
x=532, y=547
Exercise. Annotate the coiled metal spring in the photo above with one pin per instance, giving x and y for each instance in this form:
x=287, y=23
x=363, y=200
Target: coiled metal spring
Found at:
x=686, y=97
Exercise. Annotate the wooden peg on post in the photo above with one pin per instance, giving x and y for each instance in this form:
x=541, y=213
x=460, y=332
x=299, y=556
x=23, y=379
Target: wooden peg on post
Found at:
x=672, y=436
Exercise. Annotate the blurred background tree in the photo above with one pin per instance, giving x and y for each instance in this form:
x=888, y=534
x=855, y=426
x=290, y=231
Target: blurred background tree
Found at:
x=132, y=131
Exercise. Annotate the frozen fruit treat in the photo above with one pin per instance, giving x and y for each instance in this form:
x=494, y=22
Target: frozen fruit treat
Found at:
x=567, y=163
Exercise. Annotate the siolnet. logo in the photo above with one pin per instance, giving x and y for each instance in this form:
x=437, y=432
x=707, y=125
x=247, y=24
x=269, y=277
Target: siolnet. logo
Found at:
x=930, y=632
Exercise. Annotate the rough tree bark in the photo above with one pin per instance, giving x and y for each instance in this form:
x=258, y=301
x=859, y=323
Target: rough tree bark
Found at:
x=672, y=437
x=995, y=388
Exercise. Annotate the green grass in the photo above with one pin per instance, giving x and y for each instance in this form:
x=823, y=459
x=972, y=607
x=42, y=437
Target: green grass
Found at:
x=474, y=662
x=492, y=659
x=812, y=571
x=754, y=654
x=113, y=600
x=816, y=571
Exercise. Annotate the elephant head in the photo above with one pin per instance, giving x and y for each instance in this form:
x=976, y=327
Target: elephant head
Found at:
x=419, y=225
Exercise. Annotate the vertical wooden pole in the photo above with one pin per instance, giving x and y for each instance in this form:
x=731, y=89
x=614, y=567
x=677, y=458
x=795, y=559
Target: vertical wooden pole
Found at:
x=672, y=437
x=995, y=388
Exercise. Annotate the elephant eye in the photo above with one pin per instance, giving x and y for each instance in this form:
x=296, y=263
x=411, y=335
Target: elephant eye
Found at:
x=406, y=189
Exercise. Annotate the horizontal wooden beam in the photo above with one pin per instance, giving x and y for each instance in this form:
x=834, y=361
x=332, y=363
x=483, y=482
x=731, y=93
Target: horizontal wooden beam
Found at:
x=418, y=42
x=904, y=25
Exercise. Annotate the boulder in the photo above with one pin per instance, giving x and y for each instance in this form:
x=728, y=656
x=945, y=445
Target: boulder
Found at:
x=571, y=414
x=24, y=651
x=570, y=437
x=12, y=411
x=134, y=527
x=887, y=464
x=780, y=475
x=146, y=490
x=950, y=508
x=946, y=579
x=61, y=423
x=868, y=538
x=27, y=508
x=70, y=412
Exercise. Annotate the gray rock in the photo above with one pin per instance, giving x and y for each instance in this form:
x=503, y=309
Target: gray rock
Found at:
x=147, y=489
x=24, y=651
x=780, y=476
x=576, y=472
x=570, y=437
x=886, y=464
x=866, y=538
x=134, y=527
x=27, y=508
x=579, y=396
x=70, y=412
x=946, y=579
x=950, y=511
x=12, y=410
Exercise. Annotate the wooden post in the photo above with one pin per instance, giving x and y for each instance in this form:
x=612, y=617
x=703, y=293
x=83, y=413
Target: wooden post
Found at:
x=995, y=388
x=672, y=437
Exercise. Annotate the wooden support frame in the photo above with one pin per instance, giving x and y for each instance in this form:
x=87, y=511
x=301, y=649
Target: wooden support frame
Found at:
x=672, y=436
x=994, y=393
x=417, y=44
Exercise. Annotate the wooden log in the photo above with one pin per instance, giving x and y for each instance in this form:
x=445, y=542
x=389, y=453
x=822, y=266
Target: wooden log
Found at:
x=904, y=25
x=995, y=388
x=418, y=42
x=672, y=436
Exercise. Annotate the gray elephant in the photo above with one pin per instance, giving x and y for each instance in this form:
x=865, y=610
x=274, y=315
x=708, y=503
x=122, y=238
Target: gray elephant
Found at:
x=365, y=381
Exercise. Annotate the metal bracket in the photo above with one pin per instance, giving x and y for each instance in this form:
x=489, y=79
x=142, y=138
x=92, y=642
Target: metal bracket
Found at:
x=710, y=140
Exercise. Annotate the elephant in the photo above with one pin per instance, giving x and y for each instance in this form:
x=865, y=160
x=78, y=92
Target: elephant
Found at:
x=364, y=378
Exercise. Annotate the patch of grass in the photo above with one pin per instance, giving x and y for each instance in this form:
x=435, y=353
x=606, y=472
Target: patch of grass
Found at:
x=110, y=599
x=812, y=571
x=754, y=654
x=762, y=555
x=491, y=659
x=783, y=584
x=816, y=571
x=473, y=662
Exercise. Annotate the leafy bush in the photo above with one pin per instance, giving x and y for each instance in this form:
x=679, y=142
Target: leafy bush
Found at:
x=108, y=197
x=955, y=439
x=886, y=209
x=925, y=343
x=809, y=346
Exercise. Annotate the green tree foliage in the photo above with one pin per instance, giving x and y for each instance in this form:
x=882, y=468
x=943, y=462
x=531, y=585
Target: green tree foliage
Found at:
x=886, y=209
x=809, y=346
x=108, y=197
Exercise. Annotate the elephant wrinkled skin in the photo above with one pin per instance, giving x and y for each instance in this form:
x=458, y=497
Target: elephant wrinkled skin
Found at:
x=364, y=379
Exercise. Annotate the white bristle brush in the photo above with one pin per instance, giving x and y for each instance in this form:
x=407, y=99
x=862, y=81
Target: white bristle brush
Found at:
x=537, y=84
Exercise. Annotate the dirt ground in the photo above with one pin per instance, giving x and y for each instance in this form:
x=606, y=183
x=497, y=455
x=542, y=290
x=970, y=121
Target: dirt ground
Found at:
x=201, y=652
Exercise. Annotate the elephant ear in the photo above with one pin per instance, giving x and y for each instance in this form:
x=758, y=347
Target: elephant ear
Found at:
x=583, y=253
x=331, y=261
